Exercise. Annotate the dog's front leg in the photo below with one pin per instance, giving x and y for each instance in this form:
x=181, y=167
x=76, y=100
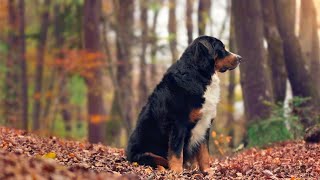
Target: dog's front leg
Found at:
x=175, y=152
x=203, y=156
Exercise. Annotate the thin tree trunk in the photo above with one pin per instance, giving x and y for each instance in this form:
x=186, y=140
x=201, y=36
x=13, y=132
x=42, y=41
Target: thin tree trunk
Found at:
x=203, y=15
x=255, y=90
x=172, y=29
x=39, y=66
x=309, y=39
x=143, y=83
x=12, y=93
x=189, y=21
x=299, y=76
x=154, y=48
x=63, y=94
x=275, y=51
x=125, y=11
x=115, y=124
x=232, y=78
x=65, y=107
x=23, y=67
x=96, y=110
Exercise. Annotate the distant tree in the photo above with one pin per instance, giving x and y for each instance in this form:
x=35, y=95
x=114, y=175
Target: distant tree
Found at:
x=37, y=95
x=309, y=38
x=275, y=51
x=143, y=83
x=232, y=78
x=23, y=66
x=95, y=104
x=153, y=43
x=189, y=21
x=122, y=106
x=63, y=95
x=172, y=29
x=204, y=8
x=255, y=80
x=299, y=76
x=12, y=77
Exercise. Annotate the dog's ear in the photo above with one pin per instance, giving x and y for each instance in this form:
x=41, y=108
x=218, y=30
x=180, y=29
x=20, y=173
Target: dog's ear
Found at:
x=203, y=48
x=204, y=54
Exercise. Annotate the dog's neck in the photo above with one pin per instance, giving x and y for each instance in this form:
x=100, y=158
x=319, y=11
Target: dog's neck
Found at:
x=207, y=73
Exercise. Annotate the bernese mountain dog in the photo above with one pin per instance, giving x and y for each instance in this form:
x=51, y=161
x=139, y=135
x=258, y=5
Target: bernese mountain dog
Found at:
x=173, y=127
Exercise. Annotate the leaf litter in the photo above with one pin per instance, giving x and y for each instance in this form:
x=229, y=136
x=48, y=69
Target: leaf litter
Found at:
x=27, y=156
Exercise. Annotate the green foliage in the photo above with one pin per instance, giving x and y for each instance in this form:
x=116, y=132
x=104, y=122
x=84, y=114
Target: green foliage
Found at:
x=283, y=124
x=155, y=6
x=78, y=129
x=3, y=51
x=172, y=36
x=268, y=131
x=3, y=47
x=77, y=89
x=72, y=21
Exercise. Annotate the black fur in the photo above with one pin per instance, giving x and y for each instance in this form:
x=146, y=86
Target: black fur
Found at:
x=164, y=120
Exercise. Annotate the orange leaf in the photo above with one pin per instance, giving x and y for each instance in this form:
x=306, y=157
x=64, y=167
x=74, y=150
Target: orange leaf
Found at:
x=216, y=142
x=228, y=139
x=71, y=155
x=96, y=119
x=214, y=134
x=37, y=95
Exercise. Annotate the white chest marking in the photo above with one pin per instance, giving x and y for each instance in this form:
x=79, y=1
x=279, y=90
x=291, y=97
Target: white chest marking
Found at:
x=209, y=111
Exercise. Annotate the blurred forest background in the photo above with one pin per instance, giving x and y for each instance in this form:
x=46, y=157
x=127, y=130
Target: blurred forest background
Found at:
x=83, y=69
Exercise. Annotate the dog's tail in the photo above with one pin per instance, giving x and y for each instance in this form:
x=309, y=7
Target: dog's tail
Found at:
x=149, y=159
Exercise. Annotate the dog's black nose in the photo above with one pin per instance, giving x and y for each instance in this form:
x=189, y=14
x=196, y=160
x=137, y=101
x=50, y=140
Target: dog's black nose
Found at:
x=239, y=58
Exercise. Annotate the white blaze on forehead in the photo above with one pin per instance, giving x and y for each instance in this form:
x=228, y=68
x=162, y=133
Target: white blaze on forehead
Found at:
x=209, y=111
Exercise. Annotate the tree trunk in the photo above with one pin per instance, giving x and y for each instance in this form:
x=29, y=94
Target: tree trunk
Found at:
x=203, y=15
x=115, y=124
x=23, y=67
x=172, y=29
x=275, y=51
x=309, y=39
x=300, y=78
x=63, y=95
x=255, y=80
x=39, y=66
x=12, y=93
x=125, y=10
x=154, y=48
x=232, y=77
x=143, y=83
x=189, y=21
x=95, y=104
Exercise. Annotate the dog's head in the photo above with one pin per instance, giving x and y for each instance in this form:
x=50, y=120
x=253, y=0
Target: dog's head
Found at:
x=210, y=51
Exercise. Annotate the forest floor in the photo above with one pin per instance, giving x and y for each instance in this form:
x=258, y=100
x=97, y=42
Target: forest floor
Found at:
x=28, y=156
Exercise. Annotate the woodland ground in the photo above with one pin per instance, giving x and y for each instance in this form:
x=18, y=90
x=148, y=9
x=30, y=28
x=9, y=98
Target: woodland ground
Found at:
x=28, y=156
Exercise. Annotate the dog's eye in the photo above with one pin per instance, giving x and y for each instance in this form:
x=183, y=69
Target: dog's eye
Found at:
x=219, y=53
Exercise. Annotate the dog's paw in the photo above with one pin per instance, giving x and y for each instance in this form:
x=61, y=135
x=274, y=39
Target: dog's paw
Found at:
x=177, y=169
x=208, y=171
x=161, y=168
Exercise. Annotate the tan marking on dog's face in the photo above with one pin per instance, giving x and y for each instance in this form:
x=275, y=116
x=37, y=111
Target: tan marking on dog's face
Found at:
x=227, y=63
x=158, y=159
x=175, y=162
x=195, y=115
x=203, y=157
